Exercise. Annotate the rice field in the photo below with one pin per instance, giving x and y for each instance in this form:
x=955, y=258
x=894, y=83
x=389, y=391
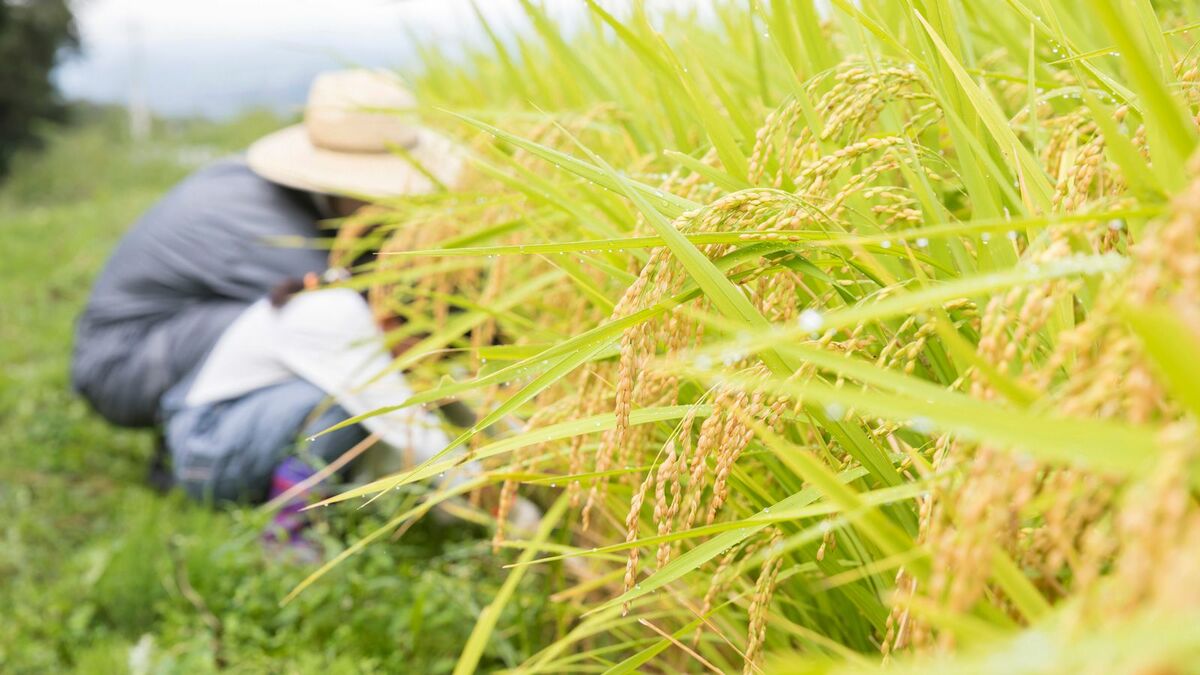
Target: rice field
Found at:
x=835, y=337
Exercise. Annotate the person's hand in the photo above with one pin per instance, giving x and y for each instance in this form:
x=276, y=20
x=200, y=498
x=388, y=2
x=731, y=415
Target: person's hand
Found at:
x=524, y=516
x=284, y=290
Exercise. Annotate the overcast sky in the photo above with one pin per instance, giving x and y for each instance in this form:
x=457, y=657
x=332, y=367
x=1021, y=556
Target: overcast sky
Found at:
x=215, y=56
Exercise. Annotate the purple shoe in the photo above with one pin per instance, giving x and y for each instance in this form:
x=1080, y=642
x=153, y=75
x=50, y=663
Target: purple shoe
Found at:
x=283, y=537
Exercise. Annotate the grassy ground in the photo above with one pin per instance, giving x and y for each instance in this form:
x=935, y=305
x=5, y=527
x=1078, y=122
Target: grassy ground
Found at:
x=98, y=573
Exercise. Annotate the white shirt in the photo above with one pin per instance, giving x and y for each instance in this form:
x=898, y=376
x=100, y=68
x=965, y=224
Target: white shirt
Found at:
x=330, y=339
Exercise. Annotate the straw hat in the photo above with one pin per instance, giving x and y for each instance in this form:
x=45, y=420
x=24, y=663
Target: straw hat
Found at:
x=355, y=124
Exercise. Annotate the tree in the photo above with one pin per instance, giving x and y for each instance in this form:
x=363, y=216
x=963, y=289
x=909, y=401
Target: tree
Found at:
x=34, y=35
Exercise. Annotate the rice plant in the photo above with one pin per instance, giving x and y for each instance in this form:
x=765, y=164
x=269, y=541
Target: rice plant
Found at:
x=831, y=337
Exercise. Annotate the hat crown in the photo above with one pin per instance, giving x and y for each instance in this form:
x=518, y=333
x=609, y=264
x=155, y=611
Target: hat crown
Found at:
x=359, y=111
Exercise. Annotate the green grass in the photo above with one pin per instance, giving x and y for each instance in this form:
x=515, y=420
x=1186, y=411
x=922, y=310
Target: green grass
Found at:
x=93, y=563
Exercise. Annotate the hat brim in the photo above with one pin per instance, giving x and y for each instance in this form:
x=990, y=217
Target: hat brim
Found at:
x=289, y=158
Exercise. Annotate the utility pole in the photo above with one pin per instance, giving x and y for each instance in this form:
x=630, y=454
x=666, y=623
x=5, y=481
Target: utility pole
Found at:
x=139, y=112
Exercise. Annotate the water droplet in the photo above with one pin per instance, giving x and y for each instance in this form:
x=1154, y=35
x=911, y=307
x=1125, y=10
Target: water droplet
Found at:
x=1011, y=234
x=922, y=425
x=811, y=320
x=835, y=410
x=886, y=243
x=922, y=242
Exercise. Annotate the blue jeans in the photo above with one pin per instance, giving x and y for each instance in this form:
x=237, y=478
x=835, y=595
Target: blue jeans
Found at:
x=227, y=451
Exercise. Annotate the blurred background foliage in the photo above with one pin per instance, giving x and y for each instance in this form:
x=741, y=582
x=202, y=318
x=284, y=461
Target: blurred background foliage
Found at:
x=34, y=36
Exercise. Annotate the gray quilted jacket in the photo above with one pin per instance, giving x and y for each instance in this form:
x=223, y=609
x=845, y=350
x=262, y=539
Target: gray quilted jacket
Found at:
x=178, y=278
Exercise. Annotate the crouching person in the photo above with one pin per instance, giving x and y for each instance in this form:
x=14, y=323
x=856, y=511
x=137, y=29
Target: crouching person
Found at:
x=180, y=332
x=238, y=428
